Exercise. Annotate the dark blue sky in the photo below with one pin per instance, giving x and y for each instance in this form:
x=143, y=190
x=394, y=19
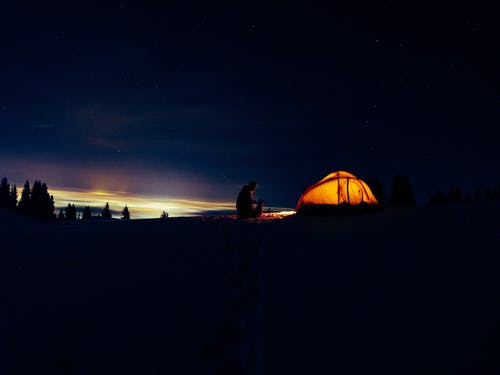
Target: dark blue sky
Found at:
x=217, y=95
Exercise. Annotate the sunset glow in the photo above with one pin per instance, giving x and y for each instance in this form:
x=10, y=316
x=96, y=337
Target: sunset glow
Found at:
x=140, y=206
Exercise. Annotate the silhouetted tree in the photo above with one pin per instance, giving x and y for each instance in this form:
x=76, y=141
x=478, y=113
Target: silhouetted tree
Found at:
x=36, y=198
x=13, y=197
x=164, y=215
x=4, y=192
x=438, y=198
x=70, y=212
x=61, y=215
x=36, y=202
x=46, y=204
x=8, y=194
x=125, y=213
x=455, y=196
x=41, y=202
x=402, y=193
x=87, y=213
x=24, y=205
x=106, y=213
x=377, y=188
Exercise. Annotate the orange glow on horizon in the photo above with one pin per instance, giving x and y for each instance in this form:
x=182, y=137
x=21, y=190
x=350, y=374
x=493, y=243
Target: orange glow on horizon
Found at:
x=140, y=206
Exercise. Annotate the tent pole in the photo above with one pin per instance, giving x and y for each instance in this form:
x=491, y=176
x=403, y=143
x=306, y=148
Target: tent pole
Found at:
x=347, y=187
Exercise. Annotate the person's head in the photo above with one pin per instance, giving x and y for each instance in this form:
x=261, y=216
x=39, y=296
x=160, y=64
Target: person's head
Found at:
x=252, y=185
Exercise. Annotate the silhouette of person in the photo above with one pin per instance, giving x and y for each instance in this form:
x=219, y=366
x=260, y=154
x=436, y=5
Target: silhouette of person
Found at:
x=245, y=202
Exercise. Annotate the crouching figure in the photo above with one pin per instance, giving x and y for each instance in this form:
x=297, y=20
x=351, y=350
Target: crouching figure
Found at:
x=246, y=205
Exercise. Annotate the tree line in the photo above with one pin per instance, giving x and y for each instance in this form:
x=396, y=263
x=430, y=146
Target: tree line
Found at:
x=36, y=201
x=70, y=213
x=401, y=191
x=456, y=195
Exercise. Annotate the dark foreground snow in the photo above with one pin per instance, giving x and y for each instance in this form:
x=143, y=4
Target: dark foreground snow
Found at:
x=403, y=291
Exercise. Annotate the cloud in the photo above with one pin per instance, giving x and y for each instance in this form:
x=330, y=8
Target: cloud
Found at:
x=125, y=178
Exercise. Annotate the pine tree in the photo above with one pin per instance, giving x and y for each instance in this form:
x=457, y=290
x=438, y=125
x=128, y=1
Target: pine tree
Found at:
x=126, y=213
x=36, y=199
x=41, y=202
x=87, y=213
x=24, y=205
x=46, y=203
x=35, y=202
x=13, y=197
x=164, y=215
x=106, y=213
x=402, y=193
x=70, y=212
x=61, y=215
x=455, y=196
x=4, y=192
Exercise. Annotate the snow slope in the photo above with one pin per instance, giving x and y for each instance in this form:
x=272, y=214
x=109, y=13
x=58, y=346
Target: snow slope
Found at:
x=402, y=291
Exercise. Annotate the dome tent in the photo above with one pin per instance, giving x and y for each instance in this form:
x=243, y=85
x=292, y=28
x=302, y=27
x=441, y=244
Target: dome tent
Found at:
x=338, y=191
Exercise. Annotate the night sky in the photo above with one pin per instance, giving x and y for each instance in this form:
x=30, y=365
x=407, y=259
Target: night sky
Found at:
x=192, y=101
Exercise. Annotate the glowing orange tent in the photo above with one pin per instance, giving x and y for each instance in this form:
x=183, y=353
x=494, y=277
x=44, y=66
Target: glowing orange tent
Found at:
x=338, y=189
